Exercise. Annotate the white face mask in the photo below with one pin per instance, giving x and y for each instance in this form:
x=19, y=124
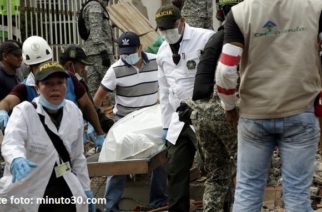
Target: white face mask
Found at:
x=171, y=35
x=131, y=59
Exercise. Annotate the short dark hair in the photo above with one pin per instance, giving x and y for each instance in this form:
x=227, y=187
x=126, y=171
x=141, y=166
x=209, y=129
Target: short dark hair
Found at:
x=10, y=46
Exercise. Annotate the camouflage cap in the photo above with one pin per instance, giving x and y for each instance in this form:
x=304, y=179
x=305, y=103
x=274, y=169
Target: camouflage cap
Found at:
x=166, y=16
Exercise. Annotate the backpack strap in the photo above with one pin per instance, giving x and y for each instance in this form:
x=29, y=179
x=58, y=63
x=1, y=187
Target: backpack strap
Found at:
x=70, y=93
x=31, y=91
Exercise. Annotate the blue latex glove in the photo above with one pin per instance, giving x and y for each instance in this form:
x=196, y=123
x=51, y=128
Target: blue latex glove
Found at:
x=3, y=119
x=20, y=168
x=164, y=134
x=90, y=132
x=99, y=142
x=91, y=206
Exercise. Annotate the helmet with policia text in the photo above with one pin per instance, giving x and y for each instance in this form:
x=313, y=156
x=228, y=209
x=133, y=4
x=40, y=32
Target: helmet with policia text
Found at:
x=36, y=50
x=223, y=8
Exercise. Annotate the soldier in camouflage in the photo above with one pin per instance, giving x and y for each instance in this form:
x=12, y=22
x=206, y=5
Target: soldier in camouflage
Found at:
x=99, y=45
x=198, y=13
x=217, y=140
x=218, y=144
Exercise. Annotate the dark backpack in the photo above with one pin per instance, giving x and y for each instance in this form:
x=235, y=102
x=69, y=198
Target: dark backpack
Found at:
x=82, y=30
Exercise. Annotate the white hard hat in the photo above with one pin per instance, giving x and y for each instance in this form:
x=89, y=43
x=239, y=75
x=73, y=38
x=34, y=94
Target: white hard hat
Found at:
x=36, y=50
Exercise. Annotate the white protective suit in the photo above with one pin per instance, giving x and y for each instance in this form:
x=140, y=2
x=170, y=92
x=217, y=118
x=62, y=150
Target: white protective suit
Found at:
x=26, y=137
x=176, y=81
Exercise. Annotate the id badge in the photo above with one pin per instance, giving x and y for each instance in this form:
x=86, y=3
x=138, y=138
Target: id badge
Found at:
x=61, y=169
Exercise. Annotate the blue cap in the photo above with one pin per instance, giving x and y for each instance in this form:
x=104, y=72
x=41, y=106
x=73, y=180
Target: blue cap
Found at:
x=128, y=43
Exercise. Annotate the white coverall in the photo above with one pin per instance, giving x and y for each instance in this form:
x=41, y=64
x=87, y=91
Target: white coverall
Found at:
x=25, y=137
x=176, y=81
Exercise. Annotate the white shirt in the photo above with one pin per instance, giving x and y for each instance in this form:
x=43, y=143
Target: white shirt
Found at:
x=177, y=81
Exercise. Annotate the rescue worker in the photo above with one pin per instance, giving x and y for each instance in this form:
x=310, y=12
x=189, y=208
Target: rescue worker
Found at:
x=35, y=51
x=74, y=60
x=274, y=51
x=99, y=45
x=134, y=79
x=177, y=59
x=43, y=149
x=217, y=140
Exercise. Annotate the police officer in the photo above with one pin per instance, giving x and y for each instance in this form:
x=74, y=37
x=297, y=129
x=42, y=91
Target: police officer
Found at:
x=177, y=60
x=43, y=150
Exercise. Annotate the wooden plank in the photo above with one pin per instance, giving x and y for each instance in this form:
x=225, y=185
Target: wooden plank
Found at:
x=118, y=168
x=128, y=18
x=125, y=167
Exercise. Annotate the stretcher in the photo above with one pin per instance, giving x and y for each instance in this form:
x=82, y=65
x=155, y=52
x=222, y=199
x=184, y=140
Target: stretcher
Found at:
x=125, y=167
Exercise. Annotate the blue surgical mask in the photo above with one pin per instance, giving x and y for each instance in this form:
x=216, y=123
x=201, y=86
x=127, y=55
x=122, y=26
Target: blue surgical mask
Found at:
x=131, y=59
x=43, y=102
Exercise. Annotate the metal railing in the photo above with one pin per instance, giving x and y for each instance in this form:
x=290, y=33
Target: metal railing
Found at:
x=54, y=20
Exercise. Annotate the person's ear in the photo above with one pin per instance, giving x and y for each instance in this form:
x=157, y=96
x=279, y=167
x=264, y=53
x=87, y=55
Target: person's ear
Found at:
x=4, y=56
x=68, y=66
x=181, y=24
x=68, y=63
x=182, y=20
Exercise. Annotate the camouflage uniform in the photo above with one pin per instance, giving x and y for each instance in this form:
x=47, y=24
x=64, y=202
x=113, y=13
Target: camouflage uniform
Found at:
x=99, y=40
x=219, y=146
x=198, y=13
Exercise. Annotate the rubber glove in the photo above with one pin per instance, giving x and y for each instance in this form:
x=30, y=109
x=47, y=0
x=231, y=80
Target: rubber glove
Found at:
x=20, y=168
x=90, y=132
x=99, y=142
x=184, y=112
x=164, y=134
x=91, y=205
x=3, y=119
